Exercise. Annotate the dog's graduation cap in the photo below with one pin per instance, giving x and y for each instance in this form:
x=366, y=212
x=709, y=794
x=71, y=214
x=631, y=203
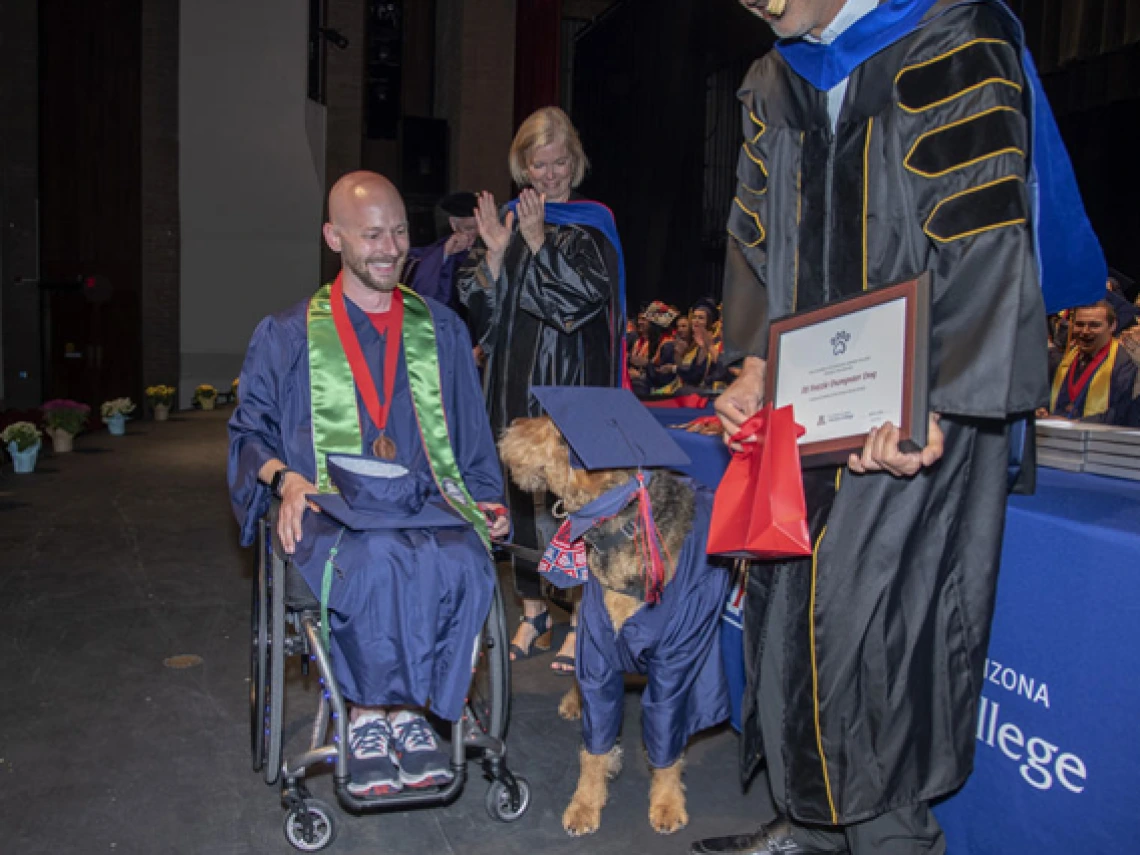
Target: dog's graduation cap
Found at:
x=609, y=429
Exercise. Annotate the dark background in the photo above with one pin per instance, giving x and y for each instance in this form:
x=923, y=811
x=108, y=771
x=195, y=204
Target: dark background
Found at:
x=654, y=100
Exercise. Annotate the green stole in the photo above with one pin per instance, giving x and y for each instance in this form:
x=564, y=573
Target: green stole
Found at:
x=336, y=418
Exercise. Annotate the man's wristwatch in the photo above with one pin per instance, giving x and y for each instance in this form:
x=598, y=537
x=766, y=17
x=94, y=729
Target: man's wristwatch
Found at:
x=278, y=480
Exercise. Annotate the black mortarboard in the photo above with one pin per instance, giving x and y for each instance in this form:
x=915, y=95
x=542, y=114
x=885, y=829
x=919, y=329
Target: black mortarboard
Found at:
x=709, y=305
x=609, y=428
x=1126, y=283
x=459, y=204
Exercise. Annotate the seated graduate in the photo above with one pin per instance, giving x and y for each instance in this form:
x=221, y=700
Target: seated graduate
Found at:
x=701, y=366
x=672, y=350
x=369, y=370
x=1096, y=378
x=653, y=329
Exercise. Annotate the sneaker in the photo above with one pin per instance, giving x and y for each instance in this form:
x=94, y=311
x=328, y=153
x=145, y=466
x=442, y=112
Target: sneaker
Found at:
x=372, y=765
x=422, y=762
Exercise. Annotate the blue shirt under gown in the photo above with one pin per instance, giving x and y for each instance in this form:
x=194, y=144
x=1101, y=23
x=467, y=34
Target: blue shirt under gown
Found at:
x=405, y=606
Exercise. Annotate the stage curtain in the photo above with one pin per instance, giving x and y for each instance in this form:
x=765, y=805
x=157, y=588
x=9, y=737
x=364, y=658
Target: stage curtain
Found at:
x=538, y=27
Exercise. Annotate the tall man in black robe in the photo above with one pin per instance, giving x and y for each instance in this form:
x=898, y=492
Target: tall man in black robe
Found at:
x=905, y=151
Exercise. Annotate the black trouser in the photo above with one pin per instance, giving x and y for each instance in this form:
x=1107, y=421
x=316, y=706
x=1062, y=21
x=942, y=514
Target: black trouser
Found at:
x=910, y=830
x=528, y=525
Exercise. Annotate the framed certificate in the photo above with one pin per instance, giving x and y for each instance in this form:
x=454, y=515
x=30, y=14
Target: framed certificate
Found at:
x=853, y=365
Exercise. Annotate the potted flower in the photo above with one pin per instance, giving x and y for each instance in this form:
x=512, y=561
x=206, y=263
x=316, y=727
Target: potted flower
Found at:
x=115, y=414
x=161, y=397
x=63, y=419
x=205, y=396
x=22, y=439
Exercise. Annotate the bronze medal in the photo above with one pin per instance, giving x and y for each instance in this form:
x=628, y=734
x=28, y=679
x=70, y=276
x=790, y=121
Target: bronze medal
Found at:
x=384, y=448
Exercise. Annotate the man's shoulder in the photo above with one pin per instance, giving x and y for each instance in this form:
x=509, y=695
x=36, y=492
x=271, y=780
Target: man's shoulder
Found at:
x=292, y=320
x=955, y=24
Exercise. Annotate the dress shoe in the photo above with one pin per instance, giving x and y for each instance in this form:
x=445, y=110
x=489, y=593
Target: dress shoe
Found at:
x=775, y=838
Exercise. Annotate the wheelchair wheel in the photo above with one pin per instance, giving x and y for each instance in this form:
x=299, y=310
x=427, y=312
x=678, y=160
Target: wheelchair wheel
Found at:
x=491, y=682
x=310, y=827
x=499, y=802
x=259, y=655
x=275, y=696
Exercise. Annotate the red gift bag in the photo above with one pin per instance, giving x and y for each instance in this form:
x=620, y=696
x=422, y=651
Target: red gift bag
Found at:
x=759, y=509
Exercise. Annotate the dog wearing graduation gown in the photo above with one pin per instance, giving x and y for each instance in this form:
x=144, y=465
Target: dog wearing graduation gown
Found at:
x=538, y=459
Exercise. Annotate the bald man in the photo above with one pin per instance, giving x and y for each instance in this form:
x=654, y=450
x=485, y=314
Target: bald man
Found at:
x=330, y=376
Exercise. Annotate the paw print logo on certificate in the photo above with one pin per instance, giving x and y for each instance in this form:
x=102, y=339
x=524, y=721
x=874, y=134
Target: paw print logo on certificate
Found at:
x=839, y=342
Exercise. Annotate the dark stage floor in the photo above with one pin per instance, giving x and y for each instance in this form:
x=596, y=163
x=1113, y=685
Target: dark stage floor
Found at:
x=123, y=554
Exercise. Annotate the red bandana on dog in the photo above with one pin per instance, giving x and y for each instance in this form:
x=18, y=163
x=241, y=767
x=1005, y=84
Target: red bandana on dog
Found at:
x=564, y=561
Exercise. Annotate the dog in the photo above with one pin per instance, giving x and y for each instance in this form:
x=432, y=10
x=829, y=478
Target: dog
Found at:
x=538, y=459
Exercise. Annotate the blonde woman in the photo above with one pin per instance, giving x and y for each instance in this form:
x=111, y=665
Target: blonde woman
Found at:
x=549, y=278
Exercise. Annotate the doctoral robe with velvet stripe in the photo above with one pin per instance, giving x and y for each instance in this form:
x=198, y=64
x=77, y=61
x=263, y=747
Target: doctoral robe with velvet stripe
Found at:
x=676, y=643
x=926, y=170
x=406, y=606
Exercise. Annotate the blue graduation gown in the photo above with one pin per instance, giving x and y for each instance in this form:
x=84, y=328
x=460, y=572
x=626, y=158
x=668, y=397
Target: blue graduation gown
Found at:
x=405, y=606
x=676, y=643
x=430, y=272
x=1120, y=405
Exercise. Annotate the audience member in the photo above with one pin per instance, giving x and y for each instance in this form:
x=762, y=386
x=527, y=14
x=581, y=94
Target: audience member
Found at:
x=1096, y=378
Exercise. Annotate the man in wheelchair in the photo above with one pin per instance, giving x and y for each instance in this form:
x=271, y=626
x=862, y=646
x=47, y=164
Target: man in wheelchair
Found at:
x=362, y=413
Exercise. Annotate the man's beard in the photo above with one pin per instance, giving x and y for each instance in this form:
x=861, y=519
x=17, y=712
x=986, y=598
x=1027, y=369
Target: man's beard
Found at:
x=360, y=268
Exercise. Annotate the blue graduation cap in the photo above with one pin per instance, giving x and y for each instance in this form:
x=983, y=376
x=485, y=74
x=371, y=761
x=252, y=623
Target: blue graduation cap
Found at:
x=609, y=429
x=374, y=494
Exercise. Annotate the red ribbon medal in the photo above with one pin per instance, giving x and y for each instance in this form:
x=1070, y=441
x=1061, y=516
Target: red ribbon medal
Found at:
x=383, y=447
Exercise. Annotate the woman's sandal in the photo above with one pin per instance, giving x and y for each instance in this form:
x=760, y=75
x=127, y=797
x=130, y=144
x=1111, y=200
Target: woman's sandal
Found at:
x=542, y=626
x=564, y=663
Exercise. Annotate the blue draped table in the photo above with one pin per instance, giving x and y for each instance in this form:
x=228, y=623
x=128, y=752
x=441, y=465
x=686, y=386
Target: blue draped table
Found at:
x=1058, y=751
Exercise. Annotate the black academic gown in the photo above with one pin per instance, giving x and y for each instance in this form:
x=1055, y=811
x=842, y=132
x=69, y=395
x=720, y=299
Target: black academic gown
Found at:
x=547, y=317
x=545, y=321
x=888, y=624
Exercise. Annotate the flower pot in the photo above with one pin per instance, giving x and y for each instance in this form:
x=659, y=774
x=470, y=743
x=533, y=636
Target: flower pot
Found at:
x=24, y=461
x=62, y=441
x=161, y=412
x=116, y=424
x=206, y=403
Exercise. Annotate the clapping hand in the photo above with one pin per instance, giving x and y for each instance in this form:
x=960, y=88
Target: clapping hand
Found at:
x=496, y=234
x=532, y=217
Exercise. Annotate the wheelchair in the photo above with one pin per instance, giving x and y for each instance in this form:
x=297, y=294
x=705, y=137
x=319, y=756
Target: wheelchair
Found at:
x=285, y=622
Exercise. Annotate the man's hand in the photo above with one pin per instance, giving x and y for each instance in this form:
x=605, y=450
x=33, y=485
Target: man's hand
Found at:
x=496, y=234
x=480, y=355
x=501, y=524
x=457, y=243
x=295, y=490
x=881, y=452
x=532, y=217
x=743, y=399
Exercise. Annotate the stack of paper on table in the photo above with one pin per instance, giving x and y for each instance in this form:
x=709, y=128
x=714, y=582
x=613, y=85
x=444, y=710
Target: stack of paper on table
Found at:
x=1113, y=451
x=1081, y=447
x=1061, y=445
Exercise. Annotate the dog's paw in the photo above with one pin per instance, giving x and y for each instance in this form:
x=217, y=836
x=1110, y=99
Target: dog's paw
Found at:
x=580, y=819
x=668, y=815
x=570, y=707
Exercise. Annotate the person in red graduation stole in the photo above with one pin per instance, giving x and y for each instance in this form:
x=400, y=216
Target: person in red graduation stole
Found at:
x=1096, y=378
x=368, y=389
